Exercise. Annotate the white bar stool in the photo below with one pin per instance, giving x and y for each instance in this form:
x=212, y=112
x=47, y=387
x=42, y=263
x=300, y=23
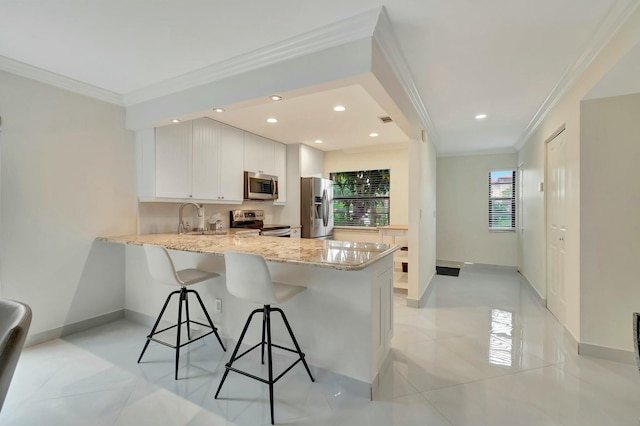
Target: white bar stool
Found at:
x=248, y=278
x=161, y=269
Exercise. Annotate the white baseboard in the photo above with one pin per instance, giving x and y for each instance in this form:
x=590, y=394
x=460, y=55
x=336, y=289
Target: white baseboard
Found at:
x=610, y=354
x=418, y=303
x=526, y=280
x=56, y=333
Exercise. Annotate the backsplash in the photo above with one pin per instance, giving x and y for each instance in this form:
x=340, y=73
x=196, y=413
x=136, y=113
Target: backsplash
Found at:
x=157, y=218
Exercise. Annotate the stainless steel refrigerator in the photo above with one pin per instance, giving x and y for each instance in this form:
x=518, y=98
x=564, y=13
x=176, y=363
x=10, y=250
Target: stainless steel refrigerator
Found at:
x=316, y=208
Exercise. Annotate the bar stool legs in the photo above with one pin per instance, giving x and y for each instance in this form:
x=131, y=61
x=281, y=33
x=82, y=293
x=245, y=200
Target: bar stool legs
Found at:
x=266, y=340
x=182, y=297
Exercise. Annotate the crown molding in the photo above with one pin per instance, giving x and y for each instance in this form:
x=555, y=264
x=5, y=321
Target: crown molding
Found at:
x=384, y=36
x=60, y=81
x=611, y=23
x=337, y=33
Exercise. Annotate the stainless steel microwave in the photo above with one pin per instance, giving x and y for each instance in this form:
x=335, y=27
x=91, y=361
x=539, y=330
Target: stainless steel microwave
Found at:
x=258, y=186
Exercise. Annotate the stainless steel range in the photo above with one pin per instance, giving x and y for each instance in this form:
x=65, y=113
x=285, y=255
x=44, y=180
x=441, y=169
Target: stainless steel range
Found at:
x=254, y=219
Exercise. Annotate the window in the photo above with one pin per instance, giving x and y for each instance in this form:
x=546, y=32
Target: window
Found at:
x=361, y=198
x=502, y=200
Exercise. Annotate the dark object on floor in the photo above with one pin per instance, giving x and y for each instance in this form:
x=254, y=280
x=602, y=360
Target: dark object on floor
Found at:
x=443, y=270
x=405, y=265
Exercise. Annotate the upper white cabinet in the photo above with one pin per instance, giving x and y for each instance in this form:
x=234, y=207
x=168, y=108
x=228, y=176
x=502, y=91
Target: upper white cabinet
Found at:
x=262, y=155
x=280, y=168
x=173, y=161
x=231, y=163
x=200, y=160
x=259, y=154
x=203, y=161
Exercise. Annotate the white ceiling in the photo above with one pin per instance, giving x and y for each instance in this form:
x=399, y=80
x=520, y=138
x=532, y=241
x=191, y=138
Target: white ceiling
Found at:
x=499, y=57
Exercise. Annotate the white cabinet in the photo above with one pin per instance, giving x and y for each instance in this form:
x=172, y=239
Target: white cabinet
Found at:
x=205, y=157
x=231, y=180
x=173, y=161
x=382, y=311
x=259, y=155
x=280, y=168
x=199, y=160
x=262, y=155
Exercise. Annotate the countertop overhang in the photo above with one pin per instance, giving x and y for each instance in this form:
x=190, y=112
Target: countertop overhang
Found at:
x=341, y=255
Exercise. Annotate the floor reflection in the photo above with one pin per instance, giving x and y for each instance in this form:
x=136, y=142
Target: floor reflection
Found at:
x=501, y=350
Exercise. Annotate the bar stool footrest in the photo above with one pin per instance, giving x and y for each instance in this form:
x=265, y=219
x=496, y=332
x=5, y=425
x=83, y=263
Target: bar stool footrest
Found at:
x=229, y=367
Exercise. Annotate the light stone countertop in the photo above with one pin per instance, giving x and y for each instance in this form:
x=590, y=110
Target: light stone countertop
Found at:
x=341, y=255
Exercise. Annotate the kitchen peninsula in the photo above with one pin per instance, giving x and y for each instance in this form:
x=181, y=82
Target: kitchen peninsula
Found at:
x=344, y=321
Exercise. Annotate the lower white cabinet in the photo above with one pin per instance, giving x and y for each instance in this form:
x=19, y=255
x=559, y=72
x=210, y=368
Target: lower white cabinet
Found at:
x=382, y=309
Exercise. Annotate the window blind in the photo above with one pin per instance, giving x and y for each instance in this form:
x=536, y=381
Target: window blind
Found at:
x=502, y=200
x=361, y=198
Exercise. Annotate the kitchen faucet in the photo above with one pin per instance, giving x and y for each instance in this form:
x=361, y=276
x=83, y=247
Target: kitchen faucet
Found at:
x=200, y=210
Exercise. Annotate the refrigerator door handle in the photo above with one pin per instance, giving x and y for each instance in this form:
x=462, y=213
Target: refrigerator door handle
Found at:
x=325, y=208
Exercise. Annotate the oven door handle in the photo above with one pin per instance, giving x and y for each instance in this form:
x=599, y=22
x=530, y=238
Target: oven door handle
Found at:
x=286, y=232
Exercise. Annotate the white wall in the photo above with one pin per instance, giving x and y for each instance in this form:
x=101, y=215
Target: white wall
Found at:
x=422, y=216
x=532, y=155
x=396, y=160
x=462, y=200
x=609, y=220
x=68, y=176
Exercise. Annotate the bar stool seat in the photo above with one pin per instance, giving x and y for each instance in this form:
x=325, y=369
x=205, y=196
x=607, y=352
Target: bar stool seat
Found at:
x=162, y=269
x=248, y=278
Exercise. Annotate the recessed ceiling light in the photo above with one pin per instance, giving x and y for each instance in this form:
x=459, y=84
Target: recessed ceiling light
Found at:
x=276, y=97
x=175, y=120
x=218, y=110
x=339, y=108
x=373, y=135
x=318, y=141
x=272, y=120
x=481, y=116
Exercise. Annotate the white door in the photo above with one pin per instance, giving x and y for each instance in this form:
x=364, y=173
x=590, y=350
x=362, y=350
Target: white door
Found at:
x=556, y=228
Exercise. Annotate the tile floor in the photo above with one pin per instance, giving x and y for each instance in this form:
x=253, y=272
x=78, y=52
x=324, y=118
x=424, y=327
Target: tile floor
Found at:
x=484, y=351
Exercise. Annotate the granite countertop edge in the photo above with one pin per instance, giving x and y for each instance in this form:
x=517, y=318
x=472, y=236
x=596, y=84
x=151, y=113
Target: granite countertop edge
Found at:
x=188, y=243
